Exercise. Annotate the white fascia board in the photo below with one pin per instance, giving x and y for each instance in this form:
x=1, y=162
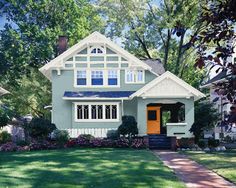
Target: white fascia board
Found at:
x=84, y=98
x=197, y=94
x=95, y=37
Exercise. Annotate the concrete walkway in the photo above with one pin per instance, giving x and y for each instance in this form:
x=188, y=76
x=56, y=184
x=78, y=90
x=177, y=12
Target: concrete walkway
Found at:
x=191, y=173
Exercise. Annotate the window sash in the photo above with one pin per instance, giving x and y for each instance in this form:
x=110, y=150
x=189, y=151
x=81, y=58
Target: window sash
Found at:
x=134, y=76
x=96, y=112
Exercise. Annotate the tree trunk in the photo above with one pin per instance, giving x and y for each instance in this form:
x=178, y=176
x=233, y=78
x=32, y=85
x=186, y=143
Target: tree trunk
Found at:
x=179, y=56
x=167, y=47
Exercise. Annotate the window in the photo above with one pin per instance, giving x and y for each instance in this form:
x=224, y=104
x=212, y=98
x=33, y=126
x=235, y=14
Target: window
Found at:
x=134, y=76
x=112, y=77
x=81, y=77
x=96, y=112
x=97, y=77
x=82, y=112
x=96, y=51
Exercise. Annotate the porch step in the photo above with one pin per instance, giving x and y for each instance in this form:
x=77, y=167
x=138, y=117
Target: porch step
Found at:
x=159, y=141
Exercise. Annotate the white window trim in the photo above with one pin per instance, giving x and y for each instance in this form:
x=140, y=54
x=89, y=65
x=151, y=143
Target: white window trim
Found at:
x=103, y=107
x=89, y=78
x=136, y=75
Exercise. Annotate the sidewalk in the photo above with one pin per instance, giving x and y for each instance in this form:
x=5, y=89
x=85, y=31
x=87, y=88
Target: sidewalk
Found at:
x=191, y=173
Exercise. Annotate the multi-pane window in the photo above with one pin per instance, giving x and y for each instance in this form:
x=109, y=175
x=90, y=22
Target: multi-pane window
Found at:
x=112, y=77
x=134, y=76
x=96, y=51
x=97, y=111
x=82, y=112
x=97, y=77
x=81, y=77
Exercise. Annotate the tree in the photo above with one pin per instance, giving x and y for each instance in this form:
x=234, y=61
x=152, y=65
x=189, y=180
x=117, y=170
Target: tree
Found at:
x=29, y=40
x=218, y=37
x=206, y=116
x=149, y=30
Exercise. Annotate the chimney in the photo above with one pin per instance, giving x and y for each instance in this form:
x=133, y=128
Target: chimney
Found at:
x=62, y=44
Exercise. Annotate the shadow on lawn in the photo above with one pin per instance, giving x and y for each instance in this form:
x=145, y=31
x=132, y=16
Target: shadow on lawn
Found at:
x=84, y=168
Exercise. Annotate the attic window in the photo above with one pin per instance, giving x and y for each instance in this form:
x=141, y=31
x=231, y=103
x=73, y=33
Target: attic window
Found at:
x=96, y=51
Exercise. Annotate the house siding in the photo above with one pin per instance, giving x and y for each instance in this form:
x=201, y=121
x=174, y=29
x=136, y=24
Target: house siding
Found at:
x=63, y=114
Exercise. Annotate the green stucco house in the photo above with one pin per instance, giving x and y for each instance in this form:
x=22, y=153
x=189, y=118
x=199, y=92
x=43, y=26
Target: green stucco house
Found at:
x=96, y=82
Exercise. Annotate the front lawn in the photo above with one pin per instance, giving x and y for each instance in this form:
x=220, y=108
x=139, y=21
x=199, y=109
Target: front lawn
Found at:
x=85, y=168
x=223, y=163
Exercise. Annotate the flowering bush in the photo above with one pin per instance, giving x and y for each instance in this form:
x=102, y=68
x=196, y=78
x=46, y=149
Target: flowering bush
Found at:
x=9, y=146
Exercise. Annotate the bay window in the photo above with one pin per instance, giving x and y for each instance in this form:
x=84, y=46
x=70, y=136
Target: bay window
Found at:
x=100, y=111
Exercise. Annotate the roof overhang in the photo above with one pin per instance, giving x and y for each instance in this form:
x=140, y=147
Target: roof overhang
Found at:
x=97, y=95
x=168, y=86
x=94, y=38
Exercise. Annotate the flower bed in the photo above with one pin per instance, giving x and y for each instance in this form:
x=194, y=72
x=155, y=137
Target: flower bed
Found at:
x=81, y=141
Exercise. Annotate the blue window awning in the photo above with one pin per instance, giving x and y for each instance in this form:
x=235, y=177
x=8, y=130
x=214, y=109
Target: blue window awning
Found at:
x=97, y=94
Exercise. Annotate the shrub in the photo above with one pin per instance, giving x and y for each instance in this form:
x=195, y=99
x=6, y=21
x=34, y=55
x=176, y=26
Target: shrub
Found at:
x=112, y=134
x=213, y=143
x=40, y=128
x=185, y=142
x=22, y=143
x=201, y=143
x=5, y=137
x=128, y=126
x=84, y=139
x=60, y=136
x=9, y=146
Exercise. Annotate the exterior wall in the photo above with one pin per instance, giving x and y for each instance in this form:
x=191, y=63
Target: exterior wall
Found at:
x=171, y=130
x=63, y=110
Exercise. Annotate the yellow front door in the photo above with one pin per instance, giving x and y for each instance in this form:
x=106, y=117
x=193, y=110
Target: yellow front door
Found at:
x=153, y=120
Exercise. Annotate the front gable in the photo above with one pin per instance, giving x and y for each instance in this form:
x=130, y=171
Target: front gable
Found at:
x=81, y=55
x=168, y=86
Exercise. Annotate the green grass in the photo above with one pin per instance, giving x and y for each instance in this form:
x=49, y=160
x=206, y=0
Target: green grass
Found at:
x=223, y=163
x=85, y=168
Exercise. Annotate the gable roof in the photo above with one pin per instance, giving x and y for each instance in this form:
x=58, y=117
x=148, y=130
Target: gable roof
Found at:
x=168, y=85
x=95, y=37
x=3, y=91
x=156, y=65
x=218, y=78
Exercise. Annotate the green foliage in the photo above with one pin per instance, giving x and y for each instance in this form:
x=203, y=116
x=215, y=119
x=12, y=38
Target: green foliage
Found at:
x=213, y=143
x=5, y=116
x=40, y=128
x=128, y=126
x=201, y=143
x=22, y=143
x=5, y=137
x=148, y=31
x=30, y=41
x=206, y=117
x=60, y=136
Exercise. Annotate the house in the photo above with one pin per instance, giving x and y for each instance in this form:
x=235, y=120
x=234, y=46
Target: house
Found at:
x=96, y=82
x=3, y=91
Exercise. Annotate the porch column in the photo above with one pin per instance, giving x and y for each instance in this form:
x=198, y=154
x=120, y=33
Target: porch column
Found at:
x=189, y=115
x=141, y=116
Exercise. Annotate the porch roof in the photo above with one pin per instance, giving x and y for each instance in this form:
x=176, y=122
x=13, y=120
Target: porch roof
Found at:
x=70, y=95
x=168, y=86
